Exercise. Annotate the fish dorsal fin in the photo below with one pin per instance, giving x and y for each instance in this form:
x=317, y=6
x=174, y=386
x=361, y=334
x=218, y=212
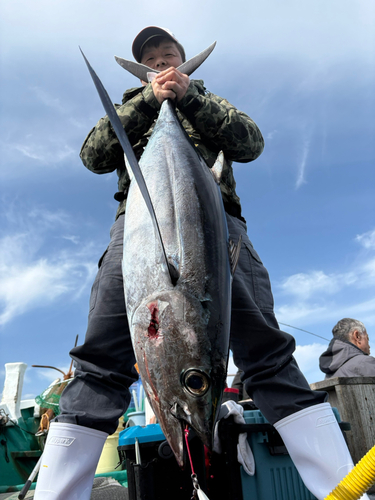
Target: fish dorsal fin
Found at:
x=234, y=253
x=132, y=162
x=217, y=168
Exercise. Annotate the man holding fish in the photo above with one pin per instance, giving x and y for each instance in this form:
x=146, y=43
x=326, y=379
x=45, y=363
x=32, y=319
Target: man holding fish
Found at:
x=98, y=395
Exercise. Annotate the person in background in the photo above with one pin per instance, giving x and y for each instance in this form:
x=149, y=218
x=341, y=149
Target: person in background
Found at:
x=348, y=353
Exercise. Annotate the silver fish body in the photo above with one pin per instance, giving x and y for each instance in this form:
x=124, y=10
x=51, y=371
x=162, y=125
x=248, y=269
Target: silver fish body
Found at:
x=180, y=330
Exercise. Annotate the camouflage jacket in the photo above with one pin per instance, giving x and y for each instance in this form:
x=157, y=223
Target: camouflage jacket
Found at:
x=213, y=124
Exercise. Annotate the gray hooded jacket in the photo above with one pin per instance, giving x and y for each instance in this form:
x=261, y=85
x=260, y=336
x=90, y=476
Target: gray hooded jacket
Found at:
x=344, y=359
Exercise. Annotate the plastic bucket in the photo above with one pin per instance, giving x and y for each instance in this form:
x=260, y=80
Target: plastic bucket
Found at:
x=109, y=458
x=137, y=418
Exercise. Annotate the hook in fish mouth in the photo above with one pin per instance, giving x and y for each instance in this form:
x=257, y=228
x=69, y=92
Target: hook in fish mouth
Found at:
x=181, y=412
x=195, y=381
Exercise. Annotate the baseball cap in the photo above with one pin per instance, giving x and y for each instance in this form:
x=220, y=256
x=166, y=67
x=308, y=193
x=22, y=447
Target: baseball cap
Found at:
x=150, y=32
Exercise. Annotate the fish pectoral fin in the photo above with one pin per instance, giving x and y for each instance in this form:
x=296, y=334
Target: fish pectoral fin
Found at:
x=192, y=64
x=234, y=253
x=137, y=69
x=128, y=168
x=217, y=167
x=133, y=162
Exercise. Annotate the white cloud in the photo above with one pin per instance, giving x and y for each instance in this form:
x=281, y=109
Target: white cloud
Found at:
x=49, y=101
x=299, y=311
x=80, y=124
x=47, y=219
x=302, y=166
x=318, y=284
x=367, y=240
x=271, y=134
x=307, y=136
x=39, y=379
x=363, y=310
x=304, y=313
x=304, y=285
x=307, y=357
x=41, y=152
x=32, y=274
x=32, y=152
x=41, y=282
x=50, y=375
x=72, y=239
x=319, y=296
x=368, y=269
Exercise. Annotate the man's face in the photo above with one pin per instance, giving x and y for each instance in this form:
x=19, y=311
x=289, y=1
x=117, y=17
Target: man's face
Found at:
x=361, y=340
x=365, y=346
x=163, y=57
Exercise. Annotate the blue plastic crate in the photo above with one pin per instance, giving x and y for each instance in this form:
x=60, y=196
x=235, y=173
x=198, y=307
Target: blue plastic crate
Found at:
x=149, y=434
x=276, y=477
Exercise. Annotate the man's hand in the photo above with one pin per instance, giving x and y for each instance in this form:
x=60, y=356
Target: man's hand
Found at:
x=170, y=84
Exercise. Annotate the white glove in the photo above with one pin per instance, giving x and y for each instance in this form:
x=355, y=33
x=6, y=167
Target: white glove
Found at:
x=244, y=454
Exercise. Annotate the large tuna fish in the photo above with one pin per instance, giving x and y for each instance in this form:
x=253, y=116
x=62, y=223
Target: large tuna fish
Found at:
x=177, y=277
x=180, y=330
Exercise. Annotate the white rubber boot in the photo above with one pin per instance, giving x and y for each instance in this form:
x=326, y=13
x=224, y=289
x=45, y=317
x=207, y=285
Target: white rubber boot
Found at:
x=317, y=447
x=69, y=462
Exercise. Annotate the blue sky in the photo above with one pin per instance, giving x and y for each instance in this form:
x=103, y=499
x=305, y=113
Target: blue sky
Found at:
x=303, y=70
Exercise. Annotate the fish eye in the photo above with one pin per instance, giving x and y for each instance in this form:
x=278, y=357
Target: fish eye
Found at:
x=196, y=382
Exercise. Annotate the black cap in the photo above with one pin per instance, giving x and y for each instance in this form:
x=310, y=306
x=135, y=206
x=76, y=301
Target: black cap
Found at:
x=146, y=34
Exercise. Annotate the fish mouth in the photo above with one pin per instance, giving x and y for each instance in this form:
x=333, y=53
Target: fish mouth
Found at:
x=173, y=429
x=178, y=421
x=181, y=413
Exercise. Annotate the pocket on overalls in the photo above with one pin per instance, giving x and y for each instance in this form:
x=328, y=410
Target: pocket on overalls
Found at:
x=261, y=282
x=95, y=286
x=254, y=254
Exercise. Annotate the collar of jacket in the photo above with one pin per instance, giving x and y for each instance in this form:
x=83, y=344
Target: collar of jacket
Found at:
x=349, y=343
x=337, y=354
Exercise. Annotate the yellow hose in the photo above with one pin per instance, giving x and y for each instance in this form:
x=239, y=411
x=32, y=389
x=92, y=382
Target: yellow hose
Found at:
x=358, y=481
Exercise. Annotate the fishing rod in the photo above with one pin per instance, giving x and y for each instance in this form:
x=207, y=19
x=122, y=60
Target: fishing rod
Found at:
x=296, y=328
x=315, y=335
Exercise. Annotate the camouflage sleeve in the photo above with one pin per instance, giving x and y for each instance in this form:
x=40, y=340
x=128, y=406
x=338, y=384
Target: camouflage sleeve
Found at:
x=222, y=126
x=101, y=152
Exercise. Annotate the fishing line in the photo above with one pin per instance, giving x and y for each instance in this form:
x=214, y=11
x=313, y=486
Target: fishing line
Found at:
x=315, y=335
x=197, y=492
x=186, y=432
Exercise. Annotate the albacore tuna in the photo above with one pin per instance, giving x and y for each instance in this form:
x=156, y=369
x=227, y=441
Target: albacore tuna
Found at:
x=177, y=269
x=180, y=330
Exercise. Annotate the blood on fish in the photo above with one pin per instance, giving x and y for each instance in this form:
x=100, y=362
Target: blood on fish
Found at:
x=154, y=323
